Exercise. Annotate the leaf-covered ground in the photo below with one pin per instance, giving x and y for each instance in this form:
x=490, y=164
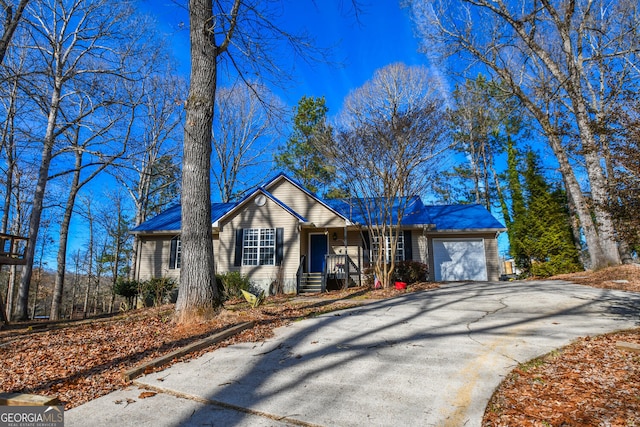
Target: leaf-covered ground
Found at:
x=589, y=383
x=80, y=361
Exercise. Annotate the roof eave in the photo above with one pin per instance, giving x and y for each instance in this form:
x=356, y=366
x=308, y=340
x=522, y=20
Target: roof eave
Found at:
x=155, y=232
x=470, y=230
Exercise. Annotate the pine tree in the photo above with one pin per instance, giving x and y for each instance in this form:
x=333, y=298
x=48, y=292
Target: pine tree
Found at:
x=515, y=224
x=546, y=237
x=300, y=156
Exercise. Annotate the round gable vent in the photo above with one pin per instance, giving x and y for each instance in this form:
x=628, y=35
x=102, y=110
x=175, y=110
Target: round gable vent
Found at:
x=260, y=200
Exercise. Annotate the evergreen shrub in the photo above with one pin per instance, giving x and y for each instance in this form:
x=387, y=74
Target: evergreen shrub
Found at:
x=231, y=284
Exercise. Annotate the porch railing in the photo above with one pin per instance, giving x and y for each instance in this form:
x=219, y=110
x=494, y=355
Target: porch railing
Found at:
x=341, y=267
x=12, y=249
x=299, y=273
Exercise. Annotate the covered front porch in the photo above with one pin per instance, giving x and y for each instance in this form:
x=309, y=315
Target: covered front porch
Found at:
x=331, y=259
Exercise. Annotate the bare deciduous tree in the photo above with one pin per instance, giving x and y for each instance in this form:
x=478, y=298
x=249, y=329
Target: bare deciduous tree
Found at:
x=542, y=51
x=75, y=40
x=150, y=172
x=244, y=132
x=102, y=140
x=243, y=37
x=12, y=16
x=390, y=132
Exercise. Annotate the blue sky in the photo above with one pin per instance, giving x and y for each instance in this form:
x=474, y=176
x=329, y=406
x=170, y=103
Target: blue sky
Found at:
x=381, y=34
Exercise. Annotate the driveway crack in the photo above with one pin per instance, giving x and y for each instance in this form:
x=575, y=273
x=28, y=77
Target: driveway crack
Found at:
x=486, y=314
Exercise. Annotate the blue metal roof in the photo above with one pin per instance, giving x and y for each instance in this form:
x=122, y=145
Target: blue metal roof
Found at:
x=171, y=219
x=442, y=217
x=356, y=209
x=462, y=217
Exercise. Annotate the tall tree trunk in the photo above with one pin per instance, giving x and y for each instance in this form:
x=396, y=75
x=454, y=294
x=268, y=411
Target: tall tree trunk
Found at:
x=11, y=289
x=116, y=262
x=35, y=294
x=575, y=225
x=197, y=294
x=8, y=142
x=96, y=291
x=599, y=188
x=38, y=200
x=10, y=25
x=85, y=308
x=571, y=80
x=56, y=300
x=574, y=191
x=76, y=284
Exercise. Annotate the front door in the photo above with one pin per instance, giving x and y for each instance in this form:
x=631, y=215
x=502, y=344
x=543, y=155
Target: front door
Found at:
x=317, y=251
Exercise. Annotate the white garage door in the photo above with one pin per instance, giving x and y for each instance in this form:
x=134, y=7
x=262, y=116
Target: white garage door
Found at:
x=459, y=259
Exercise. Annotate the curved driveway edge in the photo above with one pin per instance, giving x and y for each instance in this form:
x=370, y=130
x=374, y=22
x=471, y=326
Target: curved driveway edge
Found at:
x=429, y=358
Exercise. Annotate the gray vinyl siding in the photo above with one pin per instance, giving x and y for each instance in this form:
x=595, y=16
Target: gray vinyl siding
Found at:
x=153, y=258
x=154, y=255
x=312, y=210
x=270, y=215
x=493, y=259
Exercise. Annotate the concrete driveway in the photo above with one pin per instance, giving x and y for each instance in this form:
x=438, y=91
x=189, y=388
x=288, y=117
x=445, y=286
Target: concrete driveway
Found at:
x=430, y=358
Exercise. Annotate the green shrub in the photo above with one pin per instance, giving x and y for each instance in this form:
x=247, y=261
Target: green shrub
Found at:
x=231, y=284
x=555, y=265
x=410, y=272
x=158, y=289
x=128, y=289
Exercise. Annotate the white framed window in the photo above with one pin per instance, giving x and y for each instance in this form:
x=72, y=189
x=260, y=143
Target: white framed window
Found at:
x=384, y=243
x=175, y=253
x=259, y=246
x=178, y=253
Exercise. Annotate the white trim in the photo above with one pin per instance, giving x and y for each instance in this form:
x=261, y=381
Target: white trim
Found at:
x=258, y=247
x=309, y=246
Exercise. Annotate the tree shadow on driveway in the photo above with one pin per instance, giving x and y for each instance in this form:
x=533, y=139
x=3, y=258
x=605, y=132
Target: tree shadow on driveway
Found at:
x=424, y=358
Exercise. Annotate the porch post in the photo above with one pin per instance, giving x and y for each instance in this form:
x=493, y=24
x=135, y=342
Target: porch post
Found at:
x=346, y=258
x=324, y=274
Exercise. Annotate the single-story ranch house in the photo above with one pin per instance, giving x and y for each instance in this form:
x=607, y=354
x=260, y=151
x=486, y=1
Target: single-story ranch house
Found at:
x=281, y=231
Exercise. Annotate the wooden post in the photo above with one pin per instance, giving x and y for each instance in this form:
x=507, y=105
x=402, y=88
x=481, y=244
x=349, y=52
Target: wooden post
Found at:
x=10, y=255
x=3, y=317
x=22, y=399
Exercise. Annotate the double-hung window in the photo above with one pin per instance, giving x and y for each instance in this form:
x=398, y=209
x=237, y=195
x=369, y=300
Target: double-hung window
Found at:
x=175, y=253
x=259, y=246
x=383, y=243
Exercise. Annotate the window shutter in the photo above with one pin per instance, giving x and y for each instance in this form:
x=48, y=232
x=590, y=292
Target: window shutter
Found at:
x=172, y=253
x=366, y=244
x=279, y=245
x=238, y=257
x=408, y=252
